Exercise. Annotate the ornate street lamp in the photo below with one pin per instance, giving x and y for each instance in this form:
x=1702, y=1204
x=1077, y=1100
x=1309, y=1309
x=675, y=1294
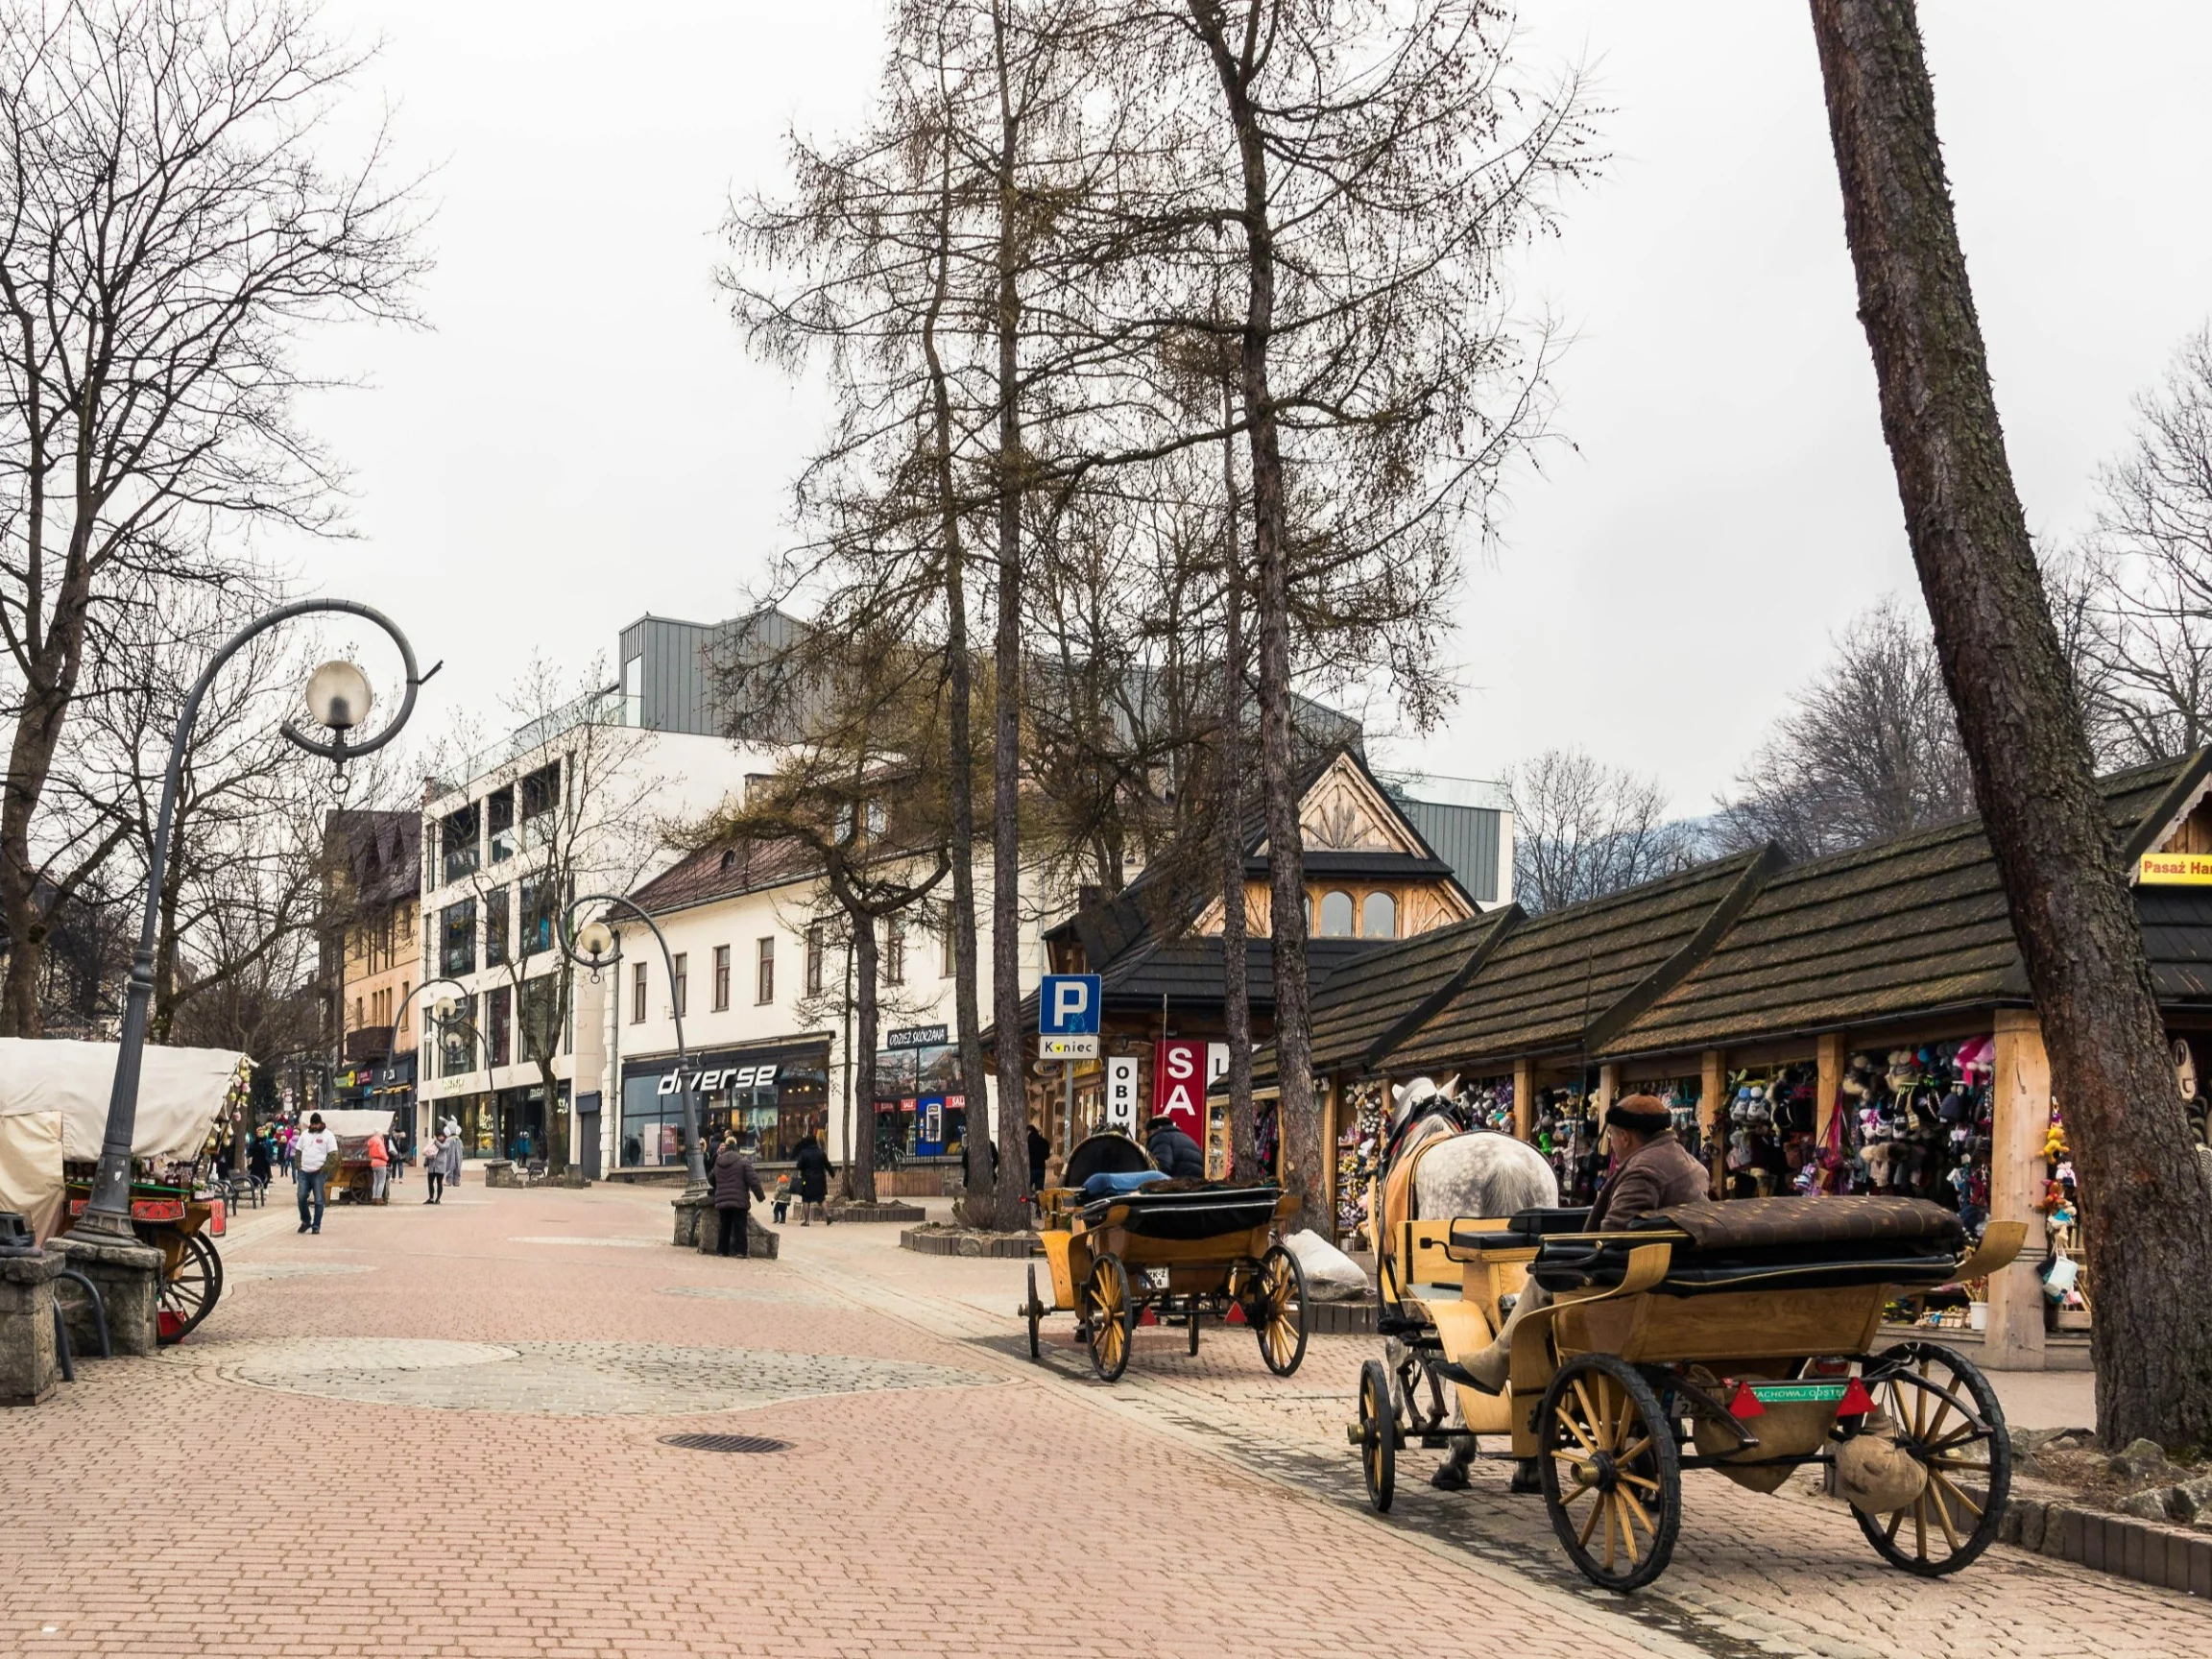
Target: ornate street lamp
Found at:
x=594, y=947
x=338, y=698
x=446, y=1013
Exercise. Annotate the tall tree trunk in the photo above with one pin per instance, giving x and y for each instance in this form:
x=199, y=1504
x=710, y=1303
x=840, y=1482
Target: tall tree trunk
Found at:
x=960, y=671
x=1296, y=1110
x=2149, y=1252
x=1006, y=747
x=47, y=694
x=1235, y=984
x=860, y=1162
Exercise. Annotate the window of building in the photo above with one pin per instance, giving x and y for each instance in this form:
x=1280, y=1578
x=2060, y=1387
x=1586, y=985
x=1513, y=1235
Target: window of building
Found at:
x=541, y=794
x=1379, y=917
x=541, y=897
x=457, y=938
x=721, y=977
x=1336, y=914
x=495, y=919
x=406, y=1003
x=457, y=839
x=540, y=1018
x=764, y=971
x=500, y=810
x=678, y=983
x=944, y=941
x=894, y=952
x=814, y=959
x=457, y=1036
x=499, y=1025
x=637, y=993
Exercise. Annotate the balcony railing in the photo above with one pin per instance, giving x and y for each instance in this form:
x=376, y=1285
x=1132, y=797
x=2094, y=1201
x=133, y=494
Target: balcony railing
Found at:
x=369, y=1042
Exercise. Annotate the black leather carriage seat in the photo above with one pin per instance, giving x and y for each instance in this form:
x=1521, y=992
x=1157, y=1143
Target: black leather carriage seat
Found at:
x=1771, y=1244
x=1185, y=1211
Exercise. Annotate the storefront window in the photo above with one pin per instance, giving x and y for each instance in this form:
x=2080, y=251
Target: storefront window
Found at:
x=920, y=1111
x=777, y=1095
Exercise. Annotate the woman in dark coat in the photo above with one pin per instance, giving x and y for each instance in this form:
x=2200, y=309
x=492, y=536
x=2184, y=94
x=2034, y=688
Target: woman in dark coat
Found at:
x=737, y=1184
x=813, y=1170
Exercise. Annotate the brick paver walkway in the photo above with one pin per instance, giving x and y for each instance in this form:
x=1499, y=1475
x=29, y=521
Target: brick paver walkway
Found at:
x=440, y=1431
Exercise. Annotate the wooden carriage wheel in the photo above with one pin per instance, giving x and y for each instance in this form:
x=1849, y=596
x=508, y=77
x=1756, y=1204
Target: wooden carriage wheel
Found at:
x=1278, y=1310
x=1109, y=1317
x=1377, y=1436
x=1950, y=1420
x=1034, y=1310
x=189, y=1290
x=1611, y=1474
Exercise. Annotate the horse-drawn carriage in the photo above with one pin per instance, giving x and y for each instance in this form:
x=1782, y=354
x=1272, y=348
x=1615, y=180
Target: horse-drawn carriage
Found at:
x=53, y=1117
x=1180, y=1250
x=1739, y=1337
x=352, y=1178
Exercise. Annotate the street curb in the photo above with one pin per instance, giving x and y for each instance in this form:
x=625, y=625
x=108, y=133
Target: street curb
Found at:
x=1015, y=1245
x=2120, y=1545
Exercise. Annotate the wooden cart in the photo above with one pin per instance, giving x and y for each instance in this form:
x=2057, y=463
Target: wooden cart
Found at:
x=1185, y=1255
x=1738, y=1336
x=182, y=1223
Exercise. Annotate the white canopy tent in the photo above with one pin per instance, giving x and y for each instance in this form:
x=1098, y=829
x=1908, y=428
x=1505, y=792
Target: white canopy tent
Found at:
x=54, y=1108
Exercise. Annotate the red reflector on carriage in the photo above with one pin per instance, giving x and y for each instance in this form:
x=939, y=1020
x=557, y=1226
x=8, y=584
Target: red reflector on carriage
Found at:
x=1235, y=1315
x=1147, y=1317
x=1856, y=1400
x=1746, y=1403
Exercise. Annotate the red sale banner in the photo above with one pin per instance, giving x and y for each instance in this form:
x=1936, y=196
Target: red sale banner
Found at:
x=1179, y=1085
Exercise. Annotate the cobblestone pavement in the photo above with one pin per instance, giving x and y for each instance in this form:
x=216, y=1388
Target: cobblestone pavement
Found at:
x=432, y=1432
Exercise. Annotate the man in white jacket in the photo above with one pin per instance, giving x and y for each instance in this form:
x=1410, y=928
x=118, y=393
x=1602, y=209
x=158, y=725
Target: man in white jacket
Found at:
x=313, y=1152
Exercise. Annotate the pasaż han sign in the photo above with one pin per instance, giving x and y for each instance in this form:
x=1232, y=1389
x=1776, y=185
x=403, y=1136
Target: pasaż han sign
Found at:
x=2174, y=870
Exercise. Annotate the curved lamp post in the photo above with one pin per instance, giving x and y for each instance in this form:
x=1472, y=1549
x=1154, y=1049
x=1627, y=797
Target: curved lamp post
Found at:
x=593, y=946
x=447, y=1012
x=338, y=698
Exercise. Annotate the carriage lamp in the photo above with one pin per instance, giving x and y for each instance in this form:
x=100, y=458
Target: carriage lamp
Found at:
x=338, y=695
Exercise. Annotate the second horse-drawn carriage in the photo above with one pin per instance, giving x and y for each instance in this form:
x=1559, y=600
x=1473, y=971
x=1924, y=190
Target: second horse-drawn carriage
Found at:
x=1177, y=1250
x=53, y=1117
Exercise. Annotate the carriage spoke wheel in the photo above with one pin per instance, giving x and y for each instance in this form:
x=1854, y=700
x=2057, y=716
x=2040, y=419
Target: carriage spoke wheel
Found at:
x=1109, y=1317
x=1278, y=1311
x=1377, y=1436
x=1035, y=1311
x=1948, y=1417
x=1612, y=1476
x=189, y=1293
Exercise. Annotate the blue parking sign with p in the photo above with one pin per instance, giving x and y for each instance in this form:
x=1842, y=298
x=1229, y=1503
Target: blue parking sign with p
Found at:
x=1068, y=1005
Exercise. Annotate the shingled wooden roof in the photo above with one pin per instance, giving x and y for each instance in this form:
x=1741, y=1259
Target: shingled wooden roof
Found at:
x=1567, y=979
x=1908, y=928
x=1363, y=1008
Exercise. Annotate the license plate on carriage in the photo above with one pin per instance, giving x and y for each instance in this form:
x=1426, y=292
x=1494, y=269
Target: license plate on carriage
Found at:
x=1846, y=1393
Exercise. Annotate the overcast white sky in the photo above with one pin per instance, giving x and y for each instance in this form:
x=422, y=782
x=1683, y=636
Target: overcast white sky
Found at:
x=578, y=438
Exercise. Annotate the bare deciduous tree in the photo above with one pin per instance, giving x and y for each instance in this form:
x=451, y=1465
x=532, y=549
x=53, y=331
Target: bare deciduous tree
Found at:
x=166, y=231
x=1582, y=829
x=1868, y=750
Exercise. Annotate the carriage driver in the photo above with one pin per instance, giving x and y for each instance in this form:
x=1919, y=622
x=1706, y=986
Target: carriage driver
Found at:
x=1651, y=1170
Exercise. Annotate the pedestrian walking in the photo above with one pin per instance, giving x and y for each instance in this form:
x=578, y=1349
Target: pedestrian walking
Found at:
x=396, y=1143
x=379, y=1167
x=313, y=1153
x=445, y=1165
x=1040, y=1149
x=737, y=1184
x=813, y=1167
x=258, y=1165
x=781, y=1207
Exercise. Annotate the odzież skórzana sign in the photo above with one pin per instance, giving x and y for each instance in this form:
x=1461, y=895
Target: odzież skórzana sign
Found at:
x=919, y=1037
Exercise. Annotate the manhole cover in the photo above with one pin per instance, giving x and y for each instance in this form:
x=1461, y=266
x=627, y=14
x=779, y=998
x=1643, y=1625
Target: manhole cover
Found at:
x=725, y=1443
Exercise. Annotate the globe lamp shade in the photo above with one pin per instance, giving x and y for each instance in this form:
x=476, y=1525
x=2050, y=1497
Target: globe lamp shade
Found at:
x=338, y=696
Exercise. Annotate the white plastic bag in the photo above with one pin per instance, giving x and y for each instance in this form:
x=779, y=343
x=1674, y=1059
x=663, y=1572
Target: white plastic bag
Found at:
x=1331, y=1275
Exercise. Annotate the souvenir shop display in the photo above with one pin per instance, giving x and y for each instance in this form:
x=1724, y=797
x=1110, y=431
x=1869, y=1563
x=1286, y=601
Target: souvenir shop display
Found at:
x=1488, y=1104
x=2065, y=1281
x=1769, y=1127
x=1566, y=1130
x=1359, y=1157
x=1914, y=1122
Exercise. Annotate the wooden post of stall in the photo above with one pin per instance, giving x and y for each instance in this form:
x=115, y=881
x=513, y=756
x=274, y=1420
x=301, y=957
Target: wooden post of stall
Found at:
x=2020, y=1118
x=1828, y=1053
x=1524, y=1099
x=1712, y=1114
x=1329, y=1155
x=1608, y=1087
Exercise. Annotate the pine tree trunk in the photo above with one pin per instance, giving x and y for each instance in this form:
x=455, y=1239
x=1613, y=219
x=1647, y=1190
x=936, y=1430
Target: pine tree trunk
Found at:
x=2143, y=1190
x=1006, y=748
x=860, y=1160
x=1235, y=980
x=1296, y=1108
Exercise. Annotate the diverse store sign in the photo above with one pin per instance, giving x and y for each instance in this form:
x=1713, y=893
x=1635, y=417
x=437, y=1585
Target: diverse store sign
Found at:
x=1121, y=1093
x=716, y=1079
x=1179, y=1084
x=2174, y=870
